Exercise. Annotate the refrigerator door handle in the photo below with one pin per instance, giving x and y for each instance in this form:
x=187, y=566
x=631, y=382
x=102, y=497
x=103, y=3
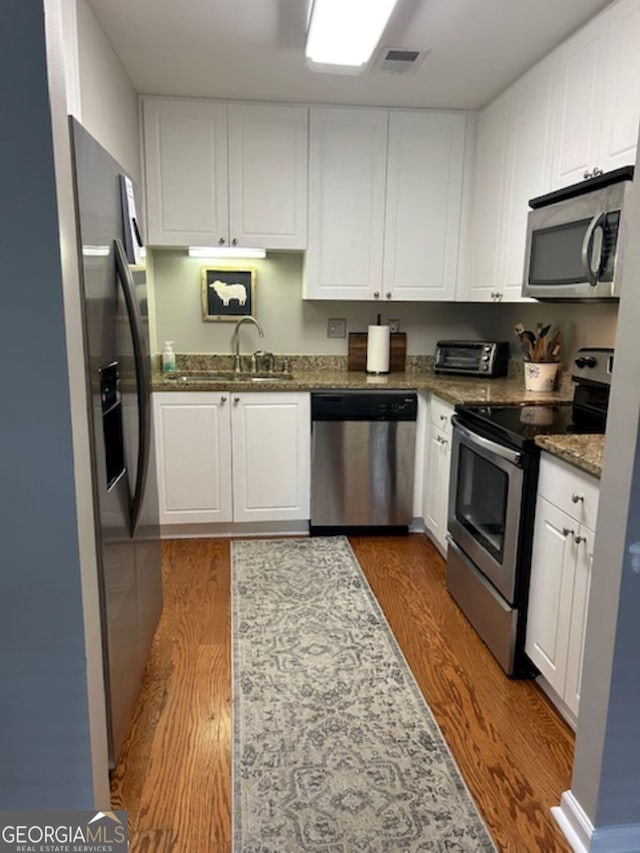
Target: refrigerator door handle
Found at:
x=144, y=391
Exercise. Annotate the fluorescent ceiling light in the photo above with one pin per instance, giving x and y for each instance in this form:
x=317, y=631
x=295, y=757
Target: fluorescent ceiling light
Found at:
x=217, y=252
x=346, y=32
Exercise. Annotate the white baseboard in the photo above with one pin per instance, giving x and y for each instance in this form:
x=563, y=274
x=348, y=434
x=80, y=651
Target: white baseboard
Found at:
x=249, y=528
x=574, y=823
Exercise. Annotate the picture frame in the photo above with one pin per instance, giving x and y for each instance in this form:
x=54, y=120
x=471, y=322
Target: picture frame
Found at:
x=228, y=293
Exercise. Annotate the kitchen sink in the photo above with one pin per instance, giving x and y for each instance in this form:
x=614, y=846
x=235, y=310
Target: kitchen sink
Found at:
x=229, y=376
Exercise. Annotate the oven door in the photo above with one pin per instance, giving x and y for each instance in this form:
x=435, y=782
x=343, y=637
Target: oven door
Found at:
x=485, y=498
x=572, y=246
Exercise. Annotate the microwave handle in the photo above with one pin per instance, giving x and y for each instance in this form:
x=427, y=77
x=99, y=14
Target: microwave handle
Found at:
x=598, y=221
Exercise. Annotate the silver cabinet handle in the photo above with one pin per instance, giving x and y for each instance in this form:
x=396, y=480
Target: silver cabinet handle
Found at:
x=597, y=171
x=566, y=532
x=234, y=242
x=221, y=241
x=236, y=400
x=587, y=175
x=579, y=539
x=223, y=399
x=376, y=294
x=388, y=294
x=576, y=498
x=443, y=417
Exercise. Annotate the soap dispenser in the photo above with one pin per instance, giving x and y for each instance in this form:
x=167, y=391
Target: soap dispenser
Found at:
x=168, y=358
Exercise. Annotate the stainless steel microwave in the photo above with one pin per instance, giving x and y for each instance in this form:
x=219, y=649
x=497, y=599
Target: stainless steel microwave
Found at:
x=574, y=240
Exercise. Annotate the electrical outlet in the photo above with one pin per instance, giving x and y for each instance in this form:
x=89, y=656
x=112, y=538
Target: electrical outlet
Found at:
x=336, y=328
x=394, y=325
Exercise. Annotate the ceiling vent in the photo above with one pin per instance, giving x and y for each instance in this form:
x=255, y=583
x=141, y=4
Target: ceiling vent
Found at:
x=398, y=60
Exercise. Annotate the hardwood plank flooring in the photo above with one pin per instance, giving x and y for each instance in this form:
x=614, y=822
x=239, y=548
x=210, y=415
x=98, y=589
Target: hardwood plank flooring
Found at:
x=174, y=775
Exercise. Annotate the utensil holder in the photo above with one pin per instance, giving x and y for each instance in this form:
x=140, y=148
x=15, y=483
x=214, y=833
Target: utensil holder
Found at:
x=540, y=375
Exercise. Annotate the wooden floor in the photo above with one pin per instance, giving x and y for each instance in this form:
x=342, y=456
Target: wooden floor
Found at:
x=174, y=776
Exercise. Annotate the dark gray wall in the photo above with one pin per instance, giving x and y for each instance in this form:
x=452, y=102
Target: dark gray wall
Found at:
x=606, y=773
x=44, y=731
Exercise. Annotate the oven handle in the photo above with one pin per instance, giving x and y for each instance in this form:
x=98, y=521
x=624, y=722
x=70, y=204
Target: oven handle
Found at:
x=598, y=221
x=497, y=449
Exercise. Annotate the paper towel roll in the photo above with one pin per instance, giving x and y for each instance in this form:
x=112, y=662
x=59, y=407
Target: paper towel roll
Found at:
x=378, y=345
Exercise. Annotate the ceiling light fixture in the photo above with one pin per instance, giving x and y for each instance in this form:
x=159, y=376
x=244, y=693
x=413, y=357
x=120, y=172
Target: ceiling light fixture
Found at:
x=346, y=32
x=217, y=252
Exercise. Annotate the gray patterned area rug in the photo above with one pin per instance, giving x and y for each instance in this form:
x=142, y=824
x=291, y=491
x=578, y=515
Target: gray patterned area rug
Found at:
x=335, y=748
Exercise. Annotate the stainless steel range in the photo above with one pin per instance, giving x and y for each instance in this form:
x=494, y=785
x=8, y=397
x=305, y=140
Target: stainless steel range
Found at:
x=492, y=499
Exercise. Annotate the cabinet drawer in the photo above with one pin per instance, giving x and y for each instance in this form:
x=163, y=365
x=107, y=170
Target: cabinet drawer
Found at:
x=573, y=491
x=440, y=414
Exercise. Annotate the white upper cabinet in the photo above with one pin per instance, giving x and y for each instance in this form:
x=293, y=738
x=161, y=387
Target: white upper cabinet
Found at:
x=598, y=107
x=268, y=175
x=385, y=198
x=619, y=137
x=185, y=152
x=580, y=102
x=513, y=164
x=225, y=175
x=347, y=172
x=423, y=206
x=528, y=167
x=486, y=264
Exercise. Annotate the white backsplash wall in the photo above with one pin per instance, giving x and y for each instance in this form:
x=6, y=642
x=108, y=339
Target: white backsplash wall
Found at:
x=293, y=325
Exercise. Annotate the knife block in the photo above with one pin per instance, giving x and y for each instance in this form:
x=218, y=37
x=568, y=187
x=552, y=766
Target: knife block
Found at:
x=357, y=352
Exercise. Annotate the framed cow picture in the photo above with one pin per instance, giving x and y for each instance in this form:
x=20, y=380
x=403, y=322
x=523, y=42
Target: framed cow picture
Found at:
x=228, y=293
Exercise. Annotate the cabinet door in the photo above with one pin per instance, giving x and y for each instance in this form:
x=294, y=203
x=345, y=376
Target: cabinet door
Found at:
x=423, y=209
x=271, y=456
x=529, y=166
x=436, y=485
x=193, y=440
x=619, y=130
x=581, y=589
x=185, y=145
x=347, y=173
x=580, y=103
x=486, y=268
x=551, y=592
x=268, y=176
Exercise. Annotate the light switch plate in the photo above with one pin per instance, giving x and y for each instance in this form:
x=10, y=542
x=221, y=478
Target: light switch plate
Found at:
x=336, y=327
x=394, y=326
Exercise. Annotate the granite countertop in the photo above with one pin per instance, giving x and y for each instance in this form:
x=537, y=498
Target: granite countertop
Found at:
x=452, y=389
x=583, y=451
x=317, y=373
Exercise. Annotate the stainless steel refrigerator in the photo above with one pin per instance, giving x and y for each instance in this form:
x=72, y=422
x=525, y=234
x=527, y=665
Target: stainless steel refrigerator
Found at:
x=118, y=374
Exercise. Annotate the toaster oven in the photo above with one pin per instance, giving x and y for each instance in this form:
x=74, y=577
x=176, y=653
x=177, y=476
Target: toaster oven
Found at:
x=472, y=358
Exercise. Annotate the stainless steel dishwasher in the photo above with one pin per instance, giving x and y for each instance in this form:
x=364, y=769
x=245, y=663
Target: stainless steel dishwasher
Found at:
x=362, y=461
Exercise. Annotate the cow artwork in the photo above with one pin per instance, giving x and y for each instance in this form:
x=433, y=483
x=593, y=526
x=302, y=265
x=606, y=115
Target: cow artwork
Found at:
x=228, y=293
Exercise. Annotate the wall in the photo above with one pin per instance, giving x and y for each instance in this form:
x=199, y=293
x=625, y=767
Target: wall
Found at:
x=293, y=325
x=606, y=773
x=44, y=707
x=109, y=105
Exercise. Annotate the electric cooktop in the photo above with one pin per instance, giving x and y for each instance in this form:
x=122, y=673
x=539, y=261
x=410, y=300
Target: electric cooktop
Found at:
x=520, y=424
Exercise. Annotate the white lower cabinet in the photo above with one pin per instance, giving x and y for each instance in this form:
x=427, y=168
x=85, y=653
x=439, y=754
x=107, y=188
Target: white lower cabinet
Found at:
x=437, y=466
x=232, y=456
x=561, y=578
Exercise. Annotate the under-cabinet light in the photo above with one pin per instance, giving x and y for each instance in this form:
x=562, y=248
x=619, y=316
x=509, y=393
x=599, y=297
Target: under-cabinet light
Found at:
x=229, y=252
x=346, y=32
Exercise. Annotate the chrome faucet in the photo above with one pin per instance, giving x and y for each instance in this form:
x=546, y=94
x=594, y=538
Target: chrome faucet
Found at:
x=235, y=339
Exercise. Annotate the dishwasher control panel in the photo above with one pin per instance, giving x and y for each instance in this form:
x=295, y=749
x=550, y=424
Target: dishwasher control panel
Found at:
x=364, y=406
